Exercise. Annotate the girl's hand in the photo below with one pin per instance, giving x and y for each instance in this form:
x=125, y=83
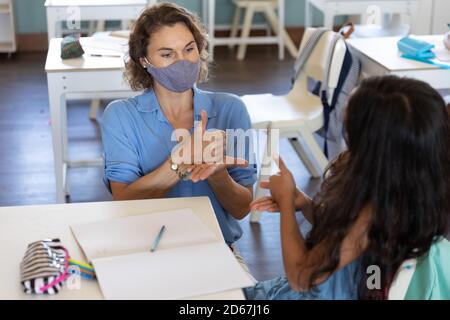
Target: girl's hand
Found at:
x=265, y=204
x=282, y=189
x=282, y=186
x=268, y=203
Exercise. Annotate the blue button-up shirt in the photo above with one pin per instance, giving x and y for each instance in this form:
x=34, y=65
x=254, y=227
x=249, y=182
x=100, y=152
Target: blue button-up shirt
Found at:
x=137, y=140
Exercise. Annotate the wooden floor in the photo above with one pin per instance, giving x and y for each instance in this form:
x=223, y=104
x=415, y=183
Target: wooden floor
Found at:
x=26, y=161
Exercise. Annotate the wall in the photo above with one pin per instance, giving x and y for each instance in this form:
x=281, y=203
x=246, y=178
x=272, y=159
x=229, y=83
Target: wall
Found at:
x=30, y=14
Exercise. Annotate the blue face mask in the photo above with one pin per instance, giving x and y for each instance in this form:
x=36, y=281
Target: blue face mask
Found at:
x=178, y=77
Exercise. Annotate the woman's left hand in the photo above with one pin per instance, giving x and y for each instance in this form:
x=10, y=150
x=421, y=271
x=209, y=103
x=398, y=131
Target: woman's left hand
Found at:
x=209, y=170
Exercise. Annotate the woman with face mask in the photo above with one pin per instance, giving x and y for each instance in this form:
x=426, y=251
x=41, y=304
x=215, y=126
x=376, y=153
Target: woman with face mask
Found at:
x=167, y=51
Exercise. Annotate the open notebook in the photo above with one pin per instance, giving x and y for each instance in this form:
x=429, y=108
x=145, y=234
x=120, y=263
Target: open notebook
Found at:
x=189, y=261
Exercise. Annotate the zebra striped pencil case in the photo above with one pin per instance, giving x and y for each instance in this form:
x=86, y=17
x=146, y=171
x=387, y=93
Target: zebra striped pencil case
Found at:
x=44, y=268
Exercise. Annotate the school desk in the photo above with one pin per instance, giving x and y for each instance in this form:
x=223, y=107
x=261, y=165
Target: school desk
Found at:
x=22, y=225
x=380, y=56
x=90, y=76
x=93, y=10
x=363, y=8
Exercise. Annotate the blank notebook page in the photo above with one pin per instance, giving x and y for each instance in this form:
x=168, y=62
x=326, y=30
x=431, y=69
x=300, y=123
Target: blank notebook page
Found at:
x=171, y=274
x=135, y=234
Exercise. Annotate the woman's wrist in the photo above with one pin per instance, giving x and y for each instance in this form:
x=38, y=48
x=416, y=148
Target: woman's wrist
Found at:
x=173, y=174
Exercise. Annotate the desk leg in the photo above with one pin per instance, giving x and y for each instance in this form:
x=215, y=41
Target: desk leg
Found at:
x=211, y=26
x=204, y=12
x=267, y=166
x=56, y=103
x=284, y=40
x=59, y=26
x=307, y=14
x=51, y=24
x=100, y=26
x=281, y=29
x=245, y=33
x=328, y=16
x=95, y=103
x=262, y=160
x=65, y=144
x=422, y=25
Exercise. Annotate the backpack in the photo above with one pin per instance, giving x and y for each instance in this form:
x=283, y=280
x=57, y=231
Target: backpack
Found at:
x=348, y=78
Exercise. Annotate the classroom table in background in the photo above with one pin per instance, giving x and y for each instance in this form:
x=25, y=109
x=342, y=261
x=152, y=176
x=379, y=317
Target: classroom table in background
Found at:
x=380, y=56
x=92, y=10
x=92, y=76
x=361, y=8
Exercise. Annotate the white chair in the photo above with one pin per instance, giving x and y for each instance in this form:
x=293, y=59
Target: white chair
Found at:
x=298, y=114
x=447, y=100
x=402, y=280
x=268, y=8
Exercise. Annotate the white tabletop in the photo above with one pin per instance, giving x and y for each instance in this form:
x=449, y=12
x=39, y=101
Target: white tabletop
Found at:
x=385, y=52
x=87, y=62
x=67, y=3
x=22, y=225
x=333, y=1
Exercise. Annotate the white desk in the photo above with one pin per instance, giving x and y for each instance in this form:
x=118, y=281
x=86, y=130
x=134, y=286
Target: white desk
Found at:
x=333, y=8
x=59, y=10
x=22, y=225
x=97, y=77
x=380, y=56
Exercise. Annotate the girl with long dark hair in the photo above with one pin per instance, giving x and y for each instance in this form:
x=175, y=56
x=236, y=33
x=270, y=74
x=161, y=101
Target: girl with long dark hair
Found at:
x=384, y=201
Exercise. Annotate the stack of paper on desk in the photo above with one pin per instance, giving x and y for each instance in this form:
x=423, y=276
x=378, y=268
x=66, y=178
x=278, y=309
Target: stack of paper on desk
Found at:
x=189, y=260
x=105, y=42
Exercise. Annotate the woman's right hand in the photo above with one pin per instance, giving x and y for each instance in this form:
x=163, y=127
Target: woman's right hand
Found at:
x=268, y=203
x=207, y=156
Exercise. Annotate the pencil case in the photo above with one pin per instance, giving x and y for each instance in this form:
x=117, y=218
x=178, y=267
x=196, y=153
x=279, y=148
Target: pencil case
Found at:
x=44, y=268
x=416, y=48
x=71, y=47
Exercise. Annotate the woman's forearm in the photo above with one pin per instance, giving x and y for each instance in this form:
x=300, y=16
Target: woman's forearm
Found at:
x=154, y=185
x=231, y=195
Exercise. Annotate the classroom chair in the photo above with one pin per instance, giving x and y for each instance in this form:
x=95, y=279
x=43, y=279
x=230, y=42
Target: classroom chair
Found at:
x=423, y=278
x=268, y=8
x=298, y=114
